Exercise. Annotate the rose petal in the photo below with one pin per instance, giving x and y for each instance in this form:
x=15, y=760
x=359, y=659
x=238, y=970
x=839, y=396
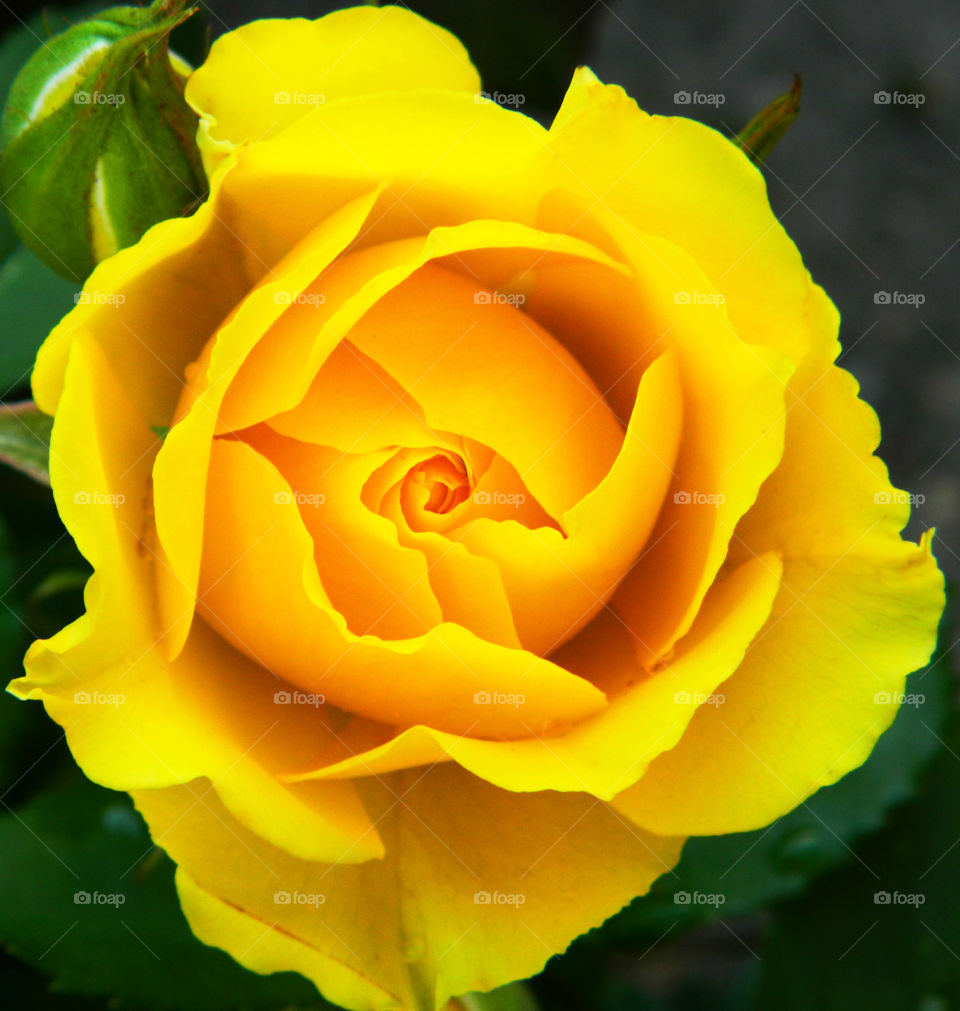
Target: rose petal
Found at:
x=261, y=77
x=556, y=583
x=603, y=754
x=261, y=590
x=669, y=175
x=413, y=929
x=139, y=721
x=378, y=584
x=181, y=465
x=857, y=613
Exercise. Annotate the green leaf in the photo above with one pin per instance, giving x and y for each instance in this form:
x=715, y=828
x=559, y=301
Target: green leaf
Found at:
x=882, y=933
x=86, y=897
x=725, y=876
x=515, y=997
x=33, y=299
x=25, y=439
x=759, y=137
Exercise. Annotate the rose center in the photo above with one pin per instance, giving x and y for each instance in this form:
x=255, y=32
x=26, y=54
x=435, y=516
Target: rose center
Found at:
x=446, y=479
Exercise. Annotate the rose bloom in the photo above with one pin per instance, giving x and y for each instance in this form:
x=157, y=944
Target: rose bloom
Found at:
x=513, y=522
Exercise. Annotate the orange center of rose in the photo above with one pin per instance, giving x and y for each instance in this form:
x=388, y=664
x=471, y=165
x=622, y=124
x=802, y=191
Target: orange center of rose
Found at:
x=446, y=479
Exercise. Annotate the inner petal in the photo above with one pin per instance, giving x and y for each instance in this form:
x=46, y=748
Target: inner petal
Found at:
x=380, y=586
x=437, y=485
x=486, y=371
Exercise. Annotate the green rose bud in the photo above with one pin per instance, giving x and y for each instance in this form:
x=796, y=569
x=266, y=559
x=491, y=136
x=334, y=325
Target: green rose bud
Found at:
x=97, y=141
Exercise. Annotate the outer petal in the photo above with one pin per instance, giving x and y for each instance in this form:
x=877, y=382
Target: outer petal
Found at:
x=858, y=611
x=266, y=74
x=601, y=755
x=670, y=175
x=196, y=263
x=414, y=929
x=733, y=439
x=131, y=719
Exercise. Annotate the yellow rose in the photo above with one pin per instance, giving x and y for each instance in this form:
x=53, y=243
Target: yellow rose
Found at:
x=513, y=522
